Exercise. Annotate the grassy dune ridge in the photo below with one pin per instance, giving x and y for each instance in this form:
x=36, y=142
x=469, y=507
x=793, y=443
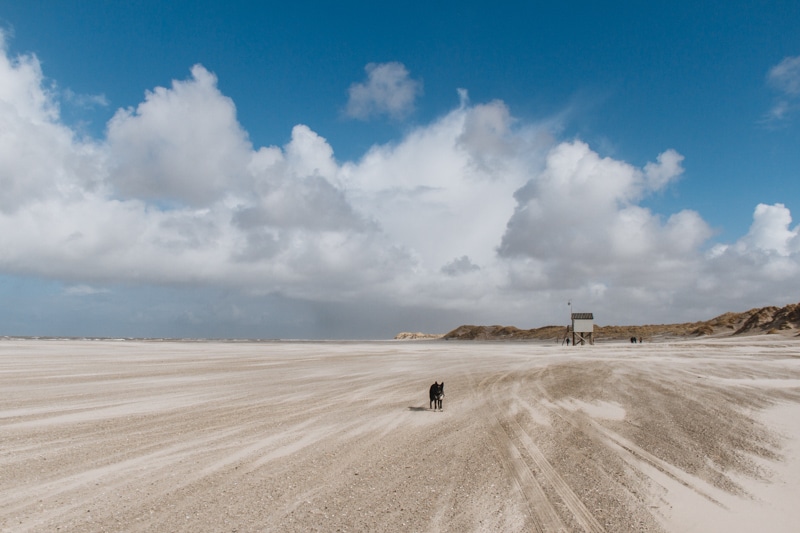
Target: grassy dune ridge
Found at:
x=757, y=321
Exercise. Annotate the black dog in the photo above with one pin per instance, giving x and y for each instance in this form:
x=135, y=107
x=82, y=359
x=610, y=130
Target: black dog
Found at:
x=437, y=393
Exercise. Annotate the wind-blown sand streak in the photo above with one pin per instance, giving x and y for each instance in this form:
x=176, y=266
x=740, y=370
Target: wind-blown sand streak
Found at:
x=303, y=436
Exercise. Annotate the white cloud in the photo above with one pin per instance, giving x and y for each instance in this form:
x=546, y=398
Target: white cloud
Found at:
x=22, y=92
x=389, y=90
x=760, y=267
x=86, y=101
x=447, y=189
x=475, y=214
x=176, y=195
x=39, y=157
x=785, y=78
x=181, y=144
x=770, y=232
x=665, y=171
x=577, y=225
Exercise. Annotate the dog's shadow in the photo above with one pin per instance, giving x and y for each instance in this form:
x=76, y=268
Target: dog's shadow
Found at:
x=418, y=409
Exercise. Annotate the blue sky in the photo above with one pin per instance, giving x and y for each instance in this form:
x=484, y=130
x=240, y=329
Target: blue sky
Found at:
x=350, y=170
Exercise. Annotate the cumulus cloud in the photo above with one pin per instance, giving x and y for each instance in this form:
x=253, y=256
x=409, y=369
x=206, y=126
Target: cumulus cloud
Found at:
x=388, y=90
x=770, y=232
x=182, y=144
x=578, y=223
x=22, y=92
x=785, y=78
x=39, y=157
x=760, y=266
x=666, y=169
x=475, y=215
x=447, y=189
x=175, y=195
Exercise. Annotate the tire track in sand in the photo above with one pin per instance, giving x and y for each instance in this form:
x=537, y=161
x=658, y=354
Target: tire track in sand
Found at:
x=633, y=455
x=544, y=516
x=580, y=513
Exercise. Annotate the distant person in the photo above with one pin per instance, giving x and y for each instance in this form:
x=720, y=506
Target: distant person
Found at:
x=567, y=341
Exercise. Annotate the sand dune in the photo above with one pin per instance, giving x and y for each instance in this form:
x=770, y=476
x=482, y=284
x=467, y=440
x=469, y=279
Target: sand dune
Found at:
x=699, y=435
x=757, y=321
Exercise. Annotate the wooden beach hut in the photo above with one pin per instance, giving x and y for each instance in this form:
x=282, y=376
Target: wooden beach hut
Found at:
x=582, y=328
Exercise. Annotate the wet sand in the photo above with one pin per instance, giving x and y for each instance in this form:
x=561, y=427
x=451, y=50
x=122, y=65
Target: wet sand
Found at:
x=303, y=436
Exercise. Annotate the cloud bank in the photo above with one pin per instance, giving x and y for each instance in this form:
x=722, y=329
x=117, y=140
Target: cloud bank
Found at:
x=474, y=215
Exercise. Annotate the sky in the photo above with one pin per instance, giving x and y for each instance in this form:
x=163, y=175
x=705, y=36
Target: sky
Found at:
x=351, y=170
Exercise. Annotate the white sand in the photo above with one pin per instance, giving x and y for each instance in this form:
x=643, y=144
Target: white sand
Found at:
x=189, y=436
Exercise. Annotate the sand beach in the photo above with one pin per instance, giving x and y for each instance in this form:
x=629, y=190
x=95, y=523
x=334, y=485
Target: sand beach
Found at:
x=687, y=436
